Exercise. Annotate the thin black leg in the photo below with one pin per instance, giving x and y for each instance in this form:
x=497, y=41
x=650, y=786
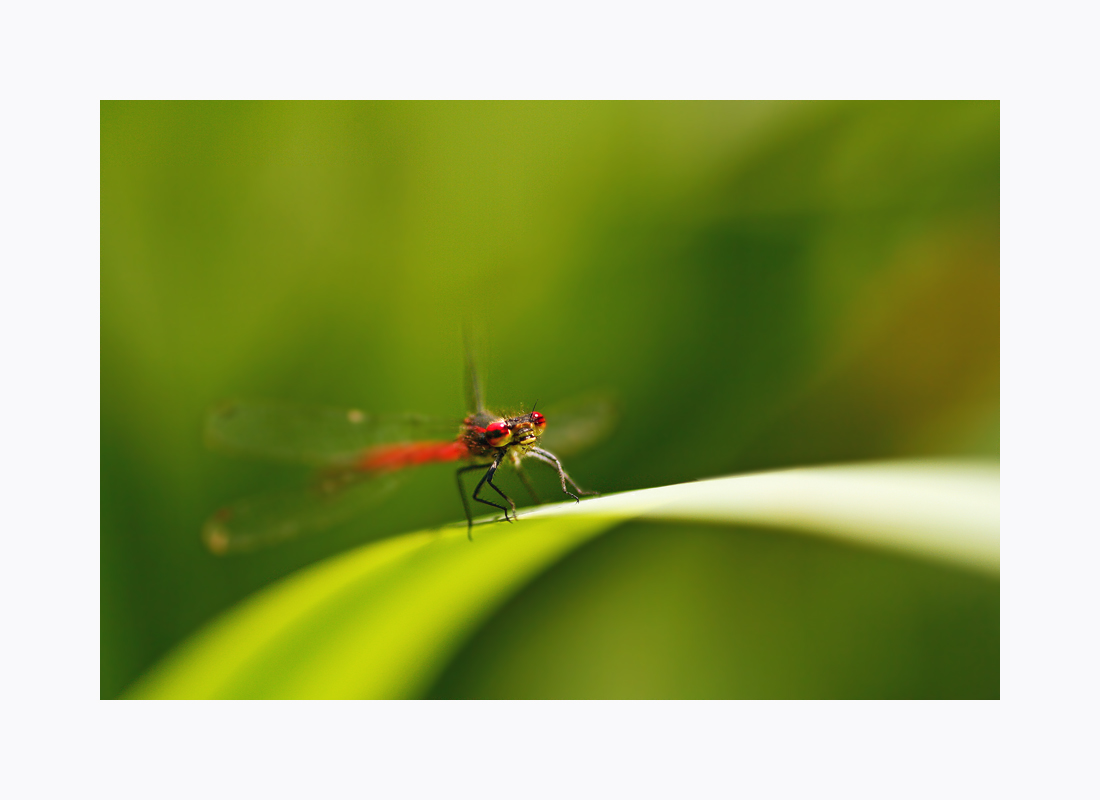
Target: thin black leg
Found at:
x=487, y=477
x=462, y=493
x=508, y=499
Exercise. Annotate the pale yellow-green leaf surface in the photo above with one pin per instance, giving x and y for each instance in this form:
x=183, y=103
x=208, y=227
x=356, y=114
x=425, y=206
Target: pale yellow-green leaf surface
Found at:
x=945, y=509
x=383, y=620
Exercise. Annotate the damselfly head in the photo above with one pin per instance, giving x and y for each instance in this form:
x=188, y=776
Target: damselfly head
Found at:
x=522, y=430
x=527, y=428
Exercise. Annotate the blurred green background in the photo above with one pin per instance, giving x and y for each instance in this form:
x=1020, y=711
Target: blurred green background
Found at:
x=760, y=284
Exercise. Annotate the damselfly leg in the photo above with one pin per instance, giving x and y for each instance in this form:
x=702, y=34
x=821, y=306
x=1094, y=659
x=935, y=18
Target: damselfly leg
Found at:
x=487, y=478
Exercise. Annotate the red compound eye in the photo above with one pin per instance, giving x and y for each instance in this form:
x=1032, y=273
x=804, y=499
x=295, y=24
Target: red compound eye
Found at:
x=538, y=420
x=498, y=434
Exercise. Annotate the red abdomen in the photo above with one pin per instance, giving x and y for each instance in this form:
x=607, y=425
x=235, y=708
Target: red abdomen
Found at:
x=390, y=457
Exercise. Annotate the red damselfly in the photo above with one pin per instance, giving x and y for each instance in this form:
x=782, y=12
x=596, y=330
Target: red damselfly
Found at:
x=360, y=457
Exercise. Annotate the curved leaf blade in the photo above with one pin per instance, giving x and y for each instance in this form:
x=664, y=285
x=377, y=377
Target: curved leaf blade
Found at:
x=942, y=509
x=383, y=620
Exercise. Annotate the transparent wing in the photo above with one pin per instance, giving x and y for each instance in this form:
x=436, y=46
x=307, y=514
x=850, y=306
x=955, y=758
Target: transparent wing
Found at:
x=580, y=423
x=264, y=520
x=312, y=435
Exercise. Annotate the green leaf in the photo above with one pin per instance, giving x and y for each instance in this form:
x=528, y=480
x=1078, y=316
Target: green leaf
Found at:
x=382, y=621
